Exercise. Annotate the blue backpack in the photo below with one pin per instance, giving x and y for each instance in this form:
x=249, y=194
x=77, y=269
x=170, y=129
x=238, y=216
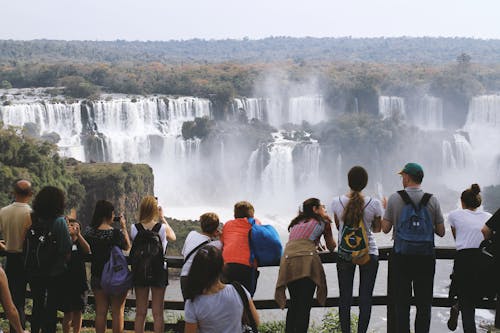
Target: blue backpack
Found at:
x=414, y=229
x=265, y=244
x=116, y=278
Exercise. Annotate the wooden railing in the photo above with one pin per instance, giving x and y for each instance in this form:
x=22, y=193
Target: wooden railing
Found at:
x=446, y=253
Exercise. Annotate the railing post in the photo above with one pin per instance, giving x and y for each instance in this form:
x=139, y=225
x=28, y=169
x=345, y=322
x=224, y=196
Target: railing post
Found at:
x=391, y=310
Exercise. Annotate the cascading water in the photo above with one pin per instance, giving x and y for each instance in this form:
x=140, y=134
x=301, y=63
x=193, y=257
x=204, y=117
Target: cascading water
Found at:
x=470, y=157
x=449, y=162
x=391, y=107
x=306, y=108
x=149, y=130
x=286, y=169
x=483, y=128
x=429, y=113
x=142, y=130
x=275, y=112
x=278, y=175
x=64, y=119
x=253, y=107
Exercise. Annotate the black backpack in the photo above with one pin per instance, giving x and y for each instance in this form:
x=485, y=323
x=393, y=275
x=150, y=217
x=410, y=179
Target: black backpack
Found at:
x=40, y=248
x=146, y=255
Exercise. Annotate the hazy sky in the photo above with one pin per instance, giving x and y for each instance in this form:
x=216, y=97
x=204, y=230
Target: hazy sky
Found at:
x=184, y=19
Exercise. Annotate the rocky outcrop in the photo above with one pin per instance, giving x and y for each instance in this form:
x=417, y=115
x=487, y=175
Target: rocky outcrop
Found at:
x=124, y=184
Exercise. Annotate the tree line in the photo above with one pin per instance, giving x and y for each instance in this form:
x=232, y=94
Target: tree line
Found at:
x=344, y=85
x=384, y=50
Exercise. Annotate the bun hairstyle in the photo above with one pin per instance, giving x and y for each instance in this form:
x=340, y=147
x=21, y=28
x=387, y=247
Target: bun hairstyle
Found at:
x=471, y=197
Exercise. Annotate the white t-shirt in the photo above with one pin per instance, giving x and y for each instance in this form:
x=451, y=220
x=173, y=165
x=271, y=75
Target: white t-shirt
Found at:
x=217, y=313
x=193, y=239
x=468, y=224
x=373, y=209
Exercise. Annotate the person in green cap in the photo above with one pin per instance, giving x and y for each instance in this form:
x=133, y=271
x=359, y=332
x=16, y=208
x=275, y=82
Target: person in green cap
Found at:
x=415, y=216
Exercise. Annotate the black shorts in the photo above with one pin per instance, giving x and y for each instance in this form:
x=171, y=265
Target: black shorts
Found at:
x=160, y=280
x=73, y=302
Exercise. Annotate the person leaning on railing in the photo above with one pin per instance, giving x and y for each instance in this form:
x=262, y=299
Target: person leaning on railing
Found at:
x=301, y=270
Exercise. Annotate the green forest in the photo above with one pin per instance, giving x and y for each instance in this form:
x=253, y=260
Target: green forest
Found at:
x=340, y=83
x=273, y=49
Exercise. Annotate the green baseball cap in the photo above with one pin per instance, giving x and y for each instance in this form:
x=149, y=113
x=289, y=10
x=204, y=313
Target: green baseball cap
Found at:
x=412, y=169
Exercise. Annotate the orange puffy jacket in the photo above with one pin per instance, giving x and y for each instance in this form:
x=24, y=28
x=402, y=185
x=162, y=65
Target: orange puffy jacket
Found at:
x=235, y=246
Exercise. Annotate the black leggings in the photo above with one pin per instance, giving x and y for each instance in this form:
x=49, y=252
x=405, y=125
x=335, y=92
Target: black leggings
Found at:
x=245, y=275
x=46, y=298
x=301, y=298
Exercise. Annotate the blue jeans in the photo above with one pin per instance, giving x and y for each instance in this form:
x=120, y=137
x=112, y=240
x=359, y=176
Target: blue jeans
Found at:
x=368, y=274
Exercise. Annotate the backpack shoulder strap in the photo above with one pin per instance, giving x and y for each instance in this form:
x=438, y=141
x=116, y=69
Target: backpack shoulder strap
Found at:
x=340, y=200
x=246, y=305
x=425, y=199
x=406, y=198
x=367, y=204
x=139, y=227
x=196, y=249
x=157, y=227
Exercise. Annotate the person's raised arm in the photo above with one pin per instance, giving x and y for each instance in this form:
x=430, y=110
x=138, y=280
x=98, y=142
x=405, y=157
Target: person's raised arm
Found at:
x=8, y=305
x=170, y=233
x=123, y=225
x=83, y=243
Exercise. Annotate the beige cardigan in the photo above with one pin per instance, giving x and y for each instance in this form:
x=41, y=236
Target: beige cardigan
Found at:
x=300, y=260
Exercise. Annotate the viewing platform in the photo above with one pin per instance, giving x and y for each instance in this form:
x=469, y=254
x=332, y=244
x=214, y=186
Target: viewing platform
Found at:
x=442, y=253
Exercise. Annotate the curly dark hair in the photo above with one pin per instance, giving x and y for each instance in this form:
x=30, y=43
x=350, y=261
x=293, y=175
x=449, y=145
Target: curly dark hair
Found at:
x=49, y=203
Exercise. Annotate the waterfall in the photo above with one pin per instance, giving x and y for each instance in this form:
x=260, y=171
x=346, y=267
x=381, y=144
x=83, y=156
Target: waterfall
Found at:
x=274, y=111
x=253, y=107
x=139, y=130
x=278, y=175
x=306, y=108
x=484, y=113
x=429, y=113
x=287, y=168
x=464, y=152
x=63, y=119
x=483, y=127
x=449, y=161
x=469, y=156
x=310, y=157
x=391, y=107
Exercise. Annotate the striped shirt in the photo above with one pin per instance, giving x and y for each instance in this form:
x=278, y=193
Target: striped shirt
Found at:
x=310, y=229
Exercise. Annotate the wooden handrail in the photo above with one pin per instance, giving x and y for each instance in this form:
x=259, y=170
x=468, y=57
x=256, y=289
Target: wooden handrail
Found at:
x=442, y=253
